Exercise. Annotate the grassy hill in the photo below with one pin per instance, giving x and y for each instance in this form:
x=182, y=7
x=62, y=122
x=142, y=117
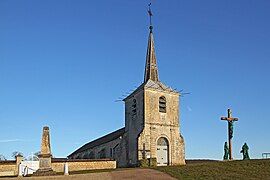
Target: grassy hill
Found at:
x=200, y=169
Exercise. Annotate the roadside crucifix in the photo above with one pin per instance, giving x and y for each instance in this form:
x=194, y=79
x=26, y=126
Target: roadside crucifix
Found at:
x=230, y=120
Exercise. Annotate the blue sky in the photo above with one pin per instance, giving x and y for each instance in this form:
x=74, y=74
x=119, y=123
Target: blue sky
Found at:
x=64, y=63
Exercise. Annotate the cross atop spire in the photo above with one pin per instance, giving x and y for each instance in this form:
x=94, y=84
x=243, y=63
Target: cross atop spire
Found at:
x=151, y=70
x=150, y=16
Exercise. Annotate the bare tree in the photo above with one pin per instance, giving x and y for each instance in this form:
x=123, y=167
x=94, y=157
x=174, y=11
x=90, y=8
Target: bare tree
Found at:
x=37, y=153
x=33, y=157
x=16, y=153
x=2, y=158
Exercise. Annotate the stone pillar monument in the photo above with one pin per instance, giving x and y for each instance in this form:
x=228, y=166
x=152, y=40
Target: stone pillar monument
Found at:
x=19, y=159
x=45, y=157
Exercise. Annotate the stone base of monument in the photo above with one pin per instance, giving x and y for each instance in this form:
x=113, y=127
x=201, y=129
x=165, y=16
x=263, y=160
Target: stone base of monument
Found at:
x=44, y=172
x=45, y=166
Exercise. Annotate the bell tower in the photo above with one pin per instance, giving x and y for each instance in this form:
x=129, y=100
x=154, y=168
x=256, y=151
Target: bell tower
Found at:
x=152, y=120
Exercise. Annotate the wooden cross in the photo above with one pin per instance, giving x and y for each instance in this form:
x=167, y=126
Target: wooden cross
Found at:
x=230, y=120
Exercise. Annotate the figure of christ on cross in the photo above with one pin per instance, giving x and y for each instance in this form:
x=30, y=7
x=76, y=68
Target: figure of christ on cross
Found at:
x=230, y=120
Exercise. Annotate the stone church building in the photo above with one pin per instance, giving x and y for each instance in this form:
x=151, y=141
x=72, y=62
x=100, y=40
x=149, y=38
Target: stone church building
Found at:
x=152, y=124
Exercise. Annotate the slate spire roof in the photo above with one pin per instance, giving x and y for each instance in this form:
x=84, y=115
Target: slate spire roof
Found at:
x=151, y=69
x=151, y=79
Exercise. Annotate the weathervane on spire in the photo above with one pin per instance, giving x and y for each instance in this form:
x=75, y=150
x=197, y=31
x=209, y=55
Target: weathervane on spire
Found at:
x=150, y=16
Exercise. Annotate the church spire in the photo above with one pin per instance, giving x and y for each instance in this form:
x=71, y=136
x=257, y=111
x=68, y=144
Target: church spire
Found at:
x=151, y=70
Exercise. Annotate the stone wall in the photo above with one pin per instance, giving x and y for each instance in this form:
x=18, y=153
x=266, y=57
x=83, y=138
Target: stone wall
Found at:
x=146, y=125
x=8, y=168
x=82, y=164
x=134, y=123
x=158, y=124
x=152, y=114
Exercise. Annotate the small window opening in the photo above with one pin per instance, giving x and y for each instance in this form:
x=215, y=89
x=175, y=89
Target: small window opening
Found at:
x=111, y=152
x=91, y=155
x=134, y=107
x=162, y=104
x=102, y=153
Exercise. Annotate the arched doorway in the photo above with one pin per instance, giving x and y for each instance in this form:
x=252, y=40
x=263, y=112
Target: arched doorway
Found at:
x=162, y=152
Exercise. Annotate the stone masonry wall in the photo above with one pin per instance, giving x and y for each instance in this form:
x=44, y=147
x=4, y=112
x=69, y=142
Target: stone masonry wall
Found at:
x=134, y=123
x=159, y=124
x=80, y=165
x=8, y=168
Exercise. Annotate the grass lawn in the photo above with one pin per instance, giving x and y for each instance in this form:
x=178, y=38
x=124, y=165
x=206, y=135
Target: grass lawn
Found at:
x=247, y=169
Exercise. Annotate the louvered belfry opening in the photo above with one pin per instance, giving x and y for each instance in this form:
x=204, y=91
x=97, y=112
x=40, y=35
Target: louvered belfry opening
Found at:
x=162, y=104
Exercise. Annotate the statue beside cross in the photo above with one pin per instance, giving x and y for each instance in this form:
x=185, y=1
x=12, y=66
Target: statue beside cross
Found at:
x=245, y=151
x=226, y=151
x=230, y=121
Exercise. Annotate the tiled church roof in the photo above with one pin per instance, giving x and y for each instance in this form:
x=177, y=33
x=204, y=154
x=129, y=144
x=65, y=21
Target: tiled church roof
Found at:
x=102, y=140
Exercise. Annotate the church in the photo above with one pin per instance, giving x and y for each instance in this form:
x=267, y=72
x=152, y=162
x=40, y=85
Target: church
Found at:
x=152, y=124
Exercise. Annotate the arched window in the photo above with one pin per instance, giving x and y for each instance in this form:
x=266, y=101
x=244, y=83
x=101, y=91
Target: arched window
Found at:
x=80, y=156
x=102, y=153
x=91, y=155
x=85, y=156
x=162, y=104
x=162, y=142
